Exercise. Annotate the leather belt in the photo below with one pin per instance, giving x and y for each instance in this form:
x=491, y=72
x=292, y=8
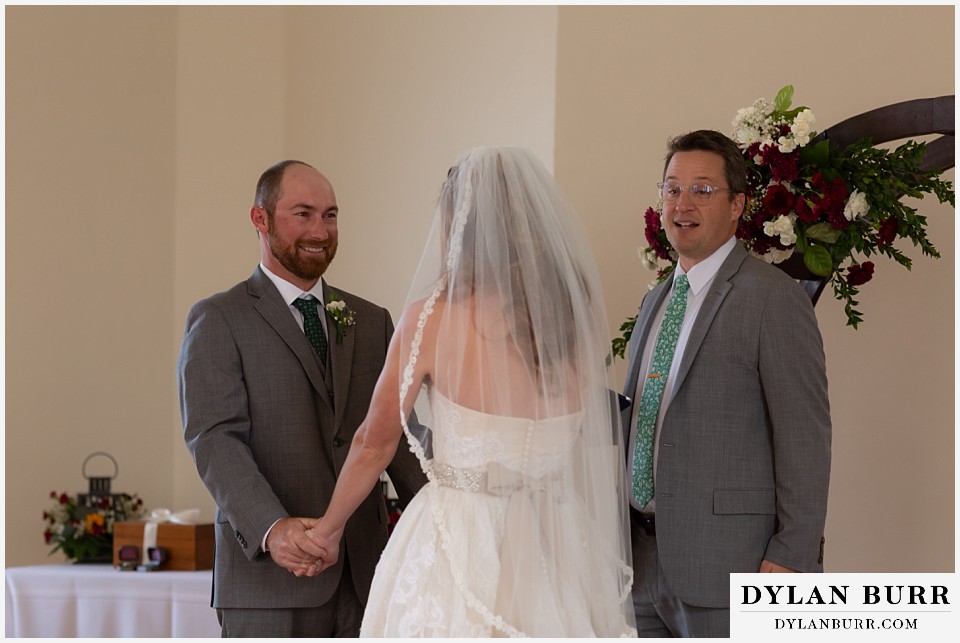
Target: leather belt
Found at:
x=647, y=522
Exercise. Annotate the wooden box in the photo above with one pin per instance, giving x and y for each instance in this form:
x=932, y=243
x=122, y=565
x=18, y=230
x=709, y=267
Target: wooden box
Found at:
x=189, y=547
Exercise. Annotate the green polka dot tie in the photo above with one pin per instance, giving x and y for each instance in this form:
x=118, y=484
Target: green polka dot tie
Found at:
x=653, y=391
x=311, y=325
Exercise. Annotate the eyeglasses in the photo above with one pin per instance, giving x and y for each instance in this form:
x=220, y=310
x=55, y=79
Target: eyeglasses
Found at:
x=700, y=192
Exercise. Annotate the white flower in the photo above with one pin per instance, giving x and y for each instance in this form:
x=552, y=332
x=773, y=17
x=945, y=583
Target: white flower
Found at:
x=341, y=315
x=752, y=124
x=782, y=226
x=803, y=123
x=802, y=127
x=786, y=144
x=856, y=206
x=648, y=258
x=776, y=255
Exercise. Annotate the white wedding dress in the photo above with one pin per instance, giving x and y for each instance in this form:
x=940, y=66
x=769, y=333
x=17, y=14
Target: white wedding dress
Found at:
x=443, y=566
x=522, y=528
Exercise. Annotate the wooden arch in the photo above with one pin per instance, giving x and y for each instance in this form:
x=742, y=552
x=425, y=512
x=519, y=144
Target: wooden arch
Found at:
x=920, y=117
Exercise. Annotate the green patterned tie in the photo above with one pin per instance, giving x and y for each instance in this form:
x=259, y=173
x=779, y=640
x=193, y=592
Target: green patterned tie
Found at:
x=311, y=325
x=653, y=391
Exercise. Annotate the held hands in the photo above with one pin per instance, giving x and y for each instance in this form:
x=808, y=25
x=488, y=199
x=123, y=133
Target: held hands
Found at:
x=328, y=542
x=290, y=545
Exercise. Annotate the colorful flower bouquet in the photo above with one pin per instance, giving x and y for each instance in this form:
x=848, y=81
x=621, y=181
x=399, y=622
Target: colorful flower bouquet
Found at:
x=85, y=533
x=835, y=206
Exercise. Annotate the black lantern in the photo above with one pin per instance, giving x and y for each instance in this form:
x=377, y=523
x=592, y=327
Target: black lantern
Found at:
x=98, y=495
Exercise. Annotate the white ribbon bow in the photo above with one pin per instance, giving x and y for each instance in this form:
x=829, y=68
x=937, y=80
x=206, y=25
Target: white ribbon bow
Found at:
x=157, y=516
x=185, y=517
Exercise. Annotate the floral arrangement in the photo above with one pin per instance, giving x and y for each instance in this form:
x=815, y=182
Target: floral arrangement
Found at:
x=84, y=533
x=341, y=315
x=836, y=206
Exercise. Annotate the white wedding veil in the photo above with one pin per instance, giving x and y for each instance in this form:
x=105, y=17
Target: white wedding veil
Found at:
x=513, y=330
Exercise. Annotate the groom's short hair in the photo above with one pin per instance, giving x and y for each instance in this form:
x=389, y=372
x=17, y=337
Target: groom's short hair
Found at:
x=270, y=182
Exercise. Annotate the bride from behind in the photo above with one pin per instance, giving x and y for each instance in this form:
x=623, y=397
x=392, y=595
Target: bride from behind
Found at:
x=522, y=528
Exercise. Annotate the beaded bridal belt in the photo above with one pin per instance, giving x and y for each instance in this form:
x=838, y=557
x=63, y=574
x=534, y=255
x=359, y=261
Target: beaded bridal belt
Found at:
x=496, y=479
x=464, y=479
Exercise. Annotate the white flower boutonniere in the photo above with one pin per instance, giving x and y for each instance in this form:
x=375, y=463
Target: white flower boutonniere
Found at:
x=341, y=315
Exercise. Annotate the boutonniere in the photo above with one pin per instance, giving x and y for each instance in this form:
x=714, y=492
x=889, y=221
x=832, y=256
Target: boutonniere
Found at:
x=340, y=314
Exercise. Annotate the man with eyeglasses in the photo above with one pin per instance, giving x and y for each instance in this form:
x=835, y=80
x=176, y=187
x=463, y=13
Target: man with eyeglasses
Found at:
x=729, y=424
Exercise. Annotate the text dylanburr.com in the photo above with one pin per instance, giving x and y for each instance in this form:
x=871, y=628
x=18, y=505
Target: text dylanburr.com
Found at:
x=905, y=607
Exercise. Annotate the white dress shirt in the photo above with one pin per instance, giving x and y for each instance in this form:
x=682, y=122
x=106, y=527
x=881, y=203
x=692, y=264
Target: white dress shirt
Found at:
x=700, y=277
x=290, y=293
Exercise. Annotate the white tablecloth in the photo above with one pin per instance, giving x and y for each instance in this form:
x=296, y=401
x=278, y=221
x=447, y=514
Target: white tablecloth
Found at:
x=99, y=601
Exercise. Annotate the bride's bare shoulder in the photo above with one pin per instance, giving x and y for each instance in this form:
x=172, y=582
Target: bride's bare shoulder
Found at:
x=416, y=317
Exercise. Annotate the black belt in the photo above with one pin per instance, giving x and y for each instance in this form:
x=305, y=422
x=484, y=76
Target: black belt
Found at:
x=647, y=522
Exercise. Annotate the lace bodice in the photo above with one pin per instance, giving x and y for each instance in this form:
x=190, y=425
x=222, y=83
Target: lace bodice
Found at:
x=468, y=439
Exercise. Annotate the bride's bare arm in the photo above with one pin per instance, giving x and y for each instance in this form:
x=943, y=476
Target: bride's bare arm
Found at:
x=371, y=450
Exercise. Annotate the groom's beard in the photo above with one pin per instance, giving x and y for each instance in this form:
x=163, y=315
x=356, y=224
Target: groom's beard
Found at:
x=305, y=265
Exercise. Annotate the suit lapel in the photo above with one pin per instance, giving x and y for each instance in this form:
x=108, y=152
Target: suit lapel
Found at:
x=277, y=314
x=341, y=360
x=708, y=310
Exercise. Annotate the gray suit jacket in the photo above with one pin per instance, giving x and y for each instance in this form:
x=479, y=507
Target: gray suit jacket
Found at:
x=744, y=458
x=269, y=430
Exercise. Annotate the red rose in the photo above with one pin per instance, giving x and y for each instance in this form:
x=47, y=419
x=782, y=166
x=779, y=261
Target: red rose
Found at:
x=778, y=200
x=837, y=190
x=651, y=219
x=832, y=204
x=859, y=274
x=784, y=167
x=64, y=498
x=47, y=536
x=888, y=231
x=804, y=211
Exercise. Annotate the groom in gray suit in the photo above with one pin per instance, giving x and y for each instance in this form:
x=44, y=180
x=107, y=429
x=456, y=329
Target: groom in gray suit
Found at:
x=736, y=424
x=273, y=386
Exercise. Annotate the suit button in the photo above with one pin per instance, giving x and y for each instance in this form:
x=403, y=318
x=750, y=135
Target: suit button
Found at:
x=241, y=540
x=337, y=442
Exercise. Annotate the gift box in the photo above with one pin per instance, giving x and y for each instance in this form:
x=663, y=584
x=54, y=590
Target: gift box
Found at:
x=188, y=547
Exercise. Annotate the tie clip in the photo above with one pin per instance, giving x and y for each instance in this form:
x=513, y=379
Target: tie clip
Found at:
x=654, y=376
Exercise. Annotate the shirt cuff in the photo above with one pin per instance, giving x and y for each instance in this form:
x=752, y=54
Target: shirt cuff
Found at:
x=263, y=545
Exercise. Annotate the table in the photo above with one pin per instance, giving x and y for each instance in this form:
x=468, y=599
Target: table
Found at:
x=94, y=601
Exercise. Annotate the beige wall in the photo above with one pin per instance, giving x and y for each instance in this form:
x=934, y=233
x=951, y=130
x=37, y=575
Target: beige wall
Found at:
x=144, y=129
x=178, y=110
x=90, y=178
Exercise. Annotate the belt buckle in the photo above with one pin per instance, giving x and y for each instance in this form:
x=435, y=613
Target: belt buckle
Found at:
x=649, y=524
